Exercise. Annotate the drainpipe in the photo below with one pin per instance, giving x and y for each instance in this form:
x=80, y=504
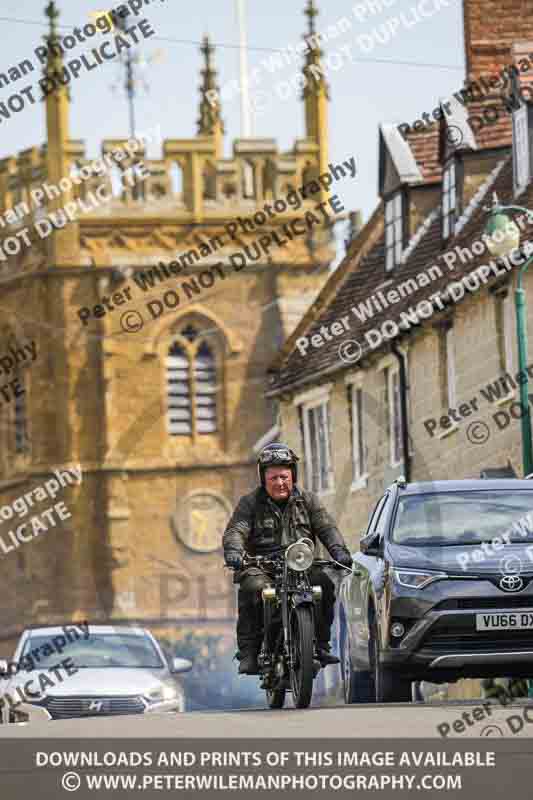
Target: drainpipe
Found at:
x=403, y=411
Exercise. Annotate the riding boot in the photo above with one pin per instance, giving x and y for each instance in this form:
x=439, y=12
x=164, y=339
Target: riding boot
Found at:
x=325, y=656
x=248, y=661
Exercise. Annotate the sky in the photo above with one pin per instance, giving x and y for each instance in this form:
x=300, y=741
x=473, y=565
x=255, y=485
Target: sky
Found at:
x=392, y=69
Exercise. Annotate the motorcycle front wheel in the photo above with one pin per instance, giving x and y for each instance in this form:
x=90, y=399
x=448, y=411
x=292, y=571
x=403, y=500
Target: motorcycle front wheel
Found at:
x=302, y=635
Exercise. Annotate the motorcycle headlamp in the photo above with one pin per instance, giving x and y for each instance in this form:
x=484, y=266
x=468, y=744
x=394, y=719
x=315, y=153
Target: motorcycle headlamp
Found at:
x=299, y=555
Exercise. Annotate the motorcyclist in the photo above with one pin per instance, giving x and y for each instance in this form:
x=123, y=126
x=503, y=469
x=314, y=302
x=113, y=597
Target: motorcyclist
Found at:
x=278, y=513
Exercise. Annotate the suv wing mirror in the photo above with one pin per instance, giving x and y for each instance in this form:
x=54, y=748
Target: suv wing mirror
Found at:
x=369, y=545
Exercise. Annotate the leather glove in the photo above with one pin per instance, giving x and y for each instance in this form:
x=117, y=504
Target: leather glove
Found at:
x=342, y=555
x=233, y=559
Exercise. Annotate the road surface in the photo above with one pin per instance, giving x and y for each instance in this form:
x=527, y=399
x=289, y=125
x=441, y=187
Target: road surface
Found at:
x=396, y=720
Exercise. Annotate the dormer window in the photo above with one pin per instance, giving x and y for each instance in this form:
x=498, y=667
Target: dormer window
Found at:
x=449, y=199
x=393, y=230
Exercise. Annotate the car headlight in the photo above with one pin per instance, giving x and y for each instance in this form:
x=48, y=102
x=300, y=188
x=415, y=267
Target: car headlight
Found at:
x=165, y=692
x=417, y=579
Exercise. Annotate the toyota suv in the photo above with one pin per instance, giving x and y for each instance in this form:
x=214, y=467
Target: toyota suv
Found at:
x=442, y=588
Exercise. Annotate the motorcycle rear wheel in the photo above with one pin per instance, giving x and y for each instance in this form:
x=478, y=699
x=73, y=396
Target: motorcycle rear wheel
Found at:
x=302, y=635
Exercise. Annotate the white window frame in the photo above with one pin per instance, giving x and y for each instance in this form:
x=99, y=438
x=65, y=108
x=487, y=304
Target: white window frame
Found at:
x=309, y=402
x=451, y=388
x=359, y=465
x=449, y=198
x=521, y=160
x=394, y=209
x=393, y=374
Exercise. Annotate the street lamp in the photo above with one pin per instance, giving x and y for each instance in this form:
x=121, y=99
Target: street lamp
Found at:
x=504, y=237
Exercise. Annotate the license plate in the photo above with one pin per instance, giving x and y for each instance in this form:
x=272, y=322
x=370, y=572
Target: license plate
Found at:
x=517, y=619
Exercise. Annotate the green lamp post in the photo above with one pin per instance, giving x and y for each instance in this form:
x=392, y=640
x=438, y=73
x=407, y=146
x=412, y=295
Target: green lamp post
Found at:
x=504, y=237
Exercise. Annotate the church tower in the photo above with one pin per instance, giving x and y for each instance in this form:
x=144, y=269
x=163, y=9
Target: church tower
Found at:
x=153, y=341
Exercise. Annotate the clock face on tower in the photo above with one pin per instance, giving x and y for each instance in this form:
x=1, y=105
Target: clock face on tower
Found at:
x=200, y=520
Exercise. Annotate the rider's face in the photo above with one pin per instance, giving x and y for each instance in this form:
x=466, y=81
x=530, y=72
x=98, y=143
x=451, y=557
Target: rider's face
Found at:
x=278, y=481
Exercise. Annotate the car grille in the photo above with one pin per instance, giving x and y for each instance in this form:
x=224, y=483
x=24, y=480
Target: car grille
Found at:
x=66, y=707
x=482, y=642
x=503, y=602
x=459, y=634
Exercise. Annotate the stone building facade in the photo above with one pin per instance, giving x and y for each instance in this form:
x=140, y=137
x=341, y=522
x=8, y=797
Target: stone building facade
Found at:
x=158, y=393
x=389, y=305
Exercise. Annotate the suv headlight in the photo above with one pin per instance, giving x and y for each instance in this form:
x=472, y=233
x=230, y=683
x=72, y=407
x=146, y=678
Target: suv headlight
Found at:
x=164, y=692
x=417, y=579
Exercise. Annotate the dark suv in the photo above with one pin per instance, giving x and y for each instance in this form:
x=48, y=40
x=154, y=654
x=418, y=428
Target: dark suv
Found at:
x=442, y=588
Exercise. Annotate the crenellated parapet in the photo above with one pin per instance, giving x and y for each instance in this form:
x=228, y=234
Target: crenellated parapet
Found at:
x=188, y=177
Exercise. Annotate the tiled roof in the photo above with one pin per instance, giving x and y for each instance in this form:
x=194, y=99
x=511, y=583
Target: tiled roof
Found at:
x=296, y=370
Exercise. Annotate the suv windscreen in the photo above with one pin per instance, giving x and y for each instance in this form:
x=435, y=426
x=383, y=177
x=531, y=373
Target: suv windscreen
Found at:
x=449, y=518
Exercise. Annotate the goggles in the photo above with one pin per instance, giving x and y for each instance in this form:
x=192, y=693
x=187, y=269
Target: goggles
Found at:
x=284, y=456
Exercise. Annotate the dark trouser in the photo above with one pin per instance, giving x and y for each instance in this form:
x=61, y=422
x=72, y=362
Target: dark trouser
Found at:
x=250, y=621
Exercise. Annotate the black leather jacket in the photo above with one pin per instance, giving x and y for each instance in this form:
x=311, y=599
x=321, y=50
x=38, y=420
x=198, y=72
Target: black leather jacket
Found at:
x=258, y=525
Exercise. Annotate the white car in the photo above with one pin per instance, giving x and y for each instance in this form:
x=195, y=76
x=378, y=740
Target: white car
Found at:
x=84, y=670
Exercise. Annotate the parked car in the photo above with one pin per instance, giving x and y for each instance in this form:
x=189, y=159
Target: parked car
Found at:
x=442, y=588
x=109, y=671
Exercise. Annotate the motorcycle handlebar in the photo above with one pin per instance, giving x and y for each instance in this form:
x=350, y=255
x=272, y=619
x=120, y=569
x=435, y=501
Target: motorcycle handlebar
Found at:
x=268, y=560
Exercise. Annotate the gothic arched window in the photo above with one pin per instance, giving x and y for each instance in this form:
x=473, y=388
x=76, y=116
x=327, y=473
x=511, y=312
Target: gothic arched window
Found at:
x=191, y=371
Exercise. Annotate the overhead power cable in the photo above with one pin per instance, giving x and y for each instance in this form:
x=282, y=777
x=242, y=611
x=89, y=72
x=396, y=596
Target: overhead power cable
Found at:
x=229, y=46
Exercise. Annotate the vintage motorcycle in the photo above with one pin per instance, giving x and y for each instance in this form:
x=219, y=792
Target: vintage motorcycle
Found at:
x=288, y=660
